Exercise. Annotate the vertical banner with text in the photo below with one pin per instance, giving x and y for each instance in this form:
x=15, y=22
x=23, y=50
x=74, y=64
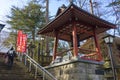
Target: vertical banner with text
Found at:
x=21, y=41
x=24, y=41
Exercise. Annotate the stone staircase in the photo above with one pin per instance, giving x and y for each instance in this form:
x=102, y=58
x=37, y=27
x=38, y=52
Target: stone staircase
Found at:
x=17, y=72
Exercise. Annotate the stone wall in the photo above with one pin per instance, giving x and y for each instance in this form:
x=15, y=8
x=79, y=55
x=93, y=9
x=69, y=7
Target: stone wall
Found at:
x=76, y=70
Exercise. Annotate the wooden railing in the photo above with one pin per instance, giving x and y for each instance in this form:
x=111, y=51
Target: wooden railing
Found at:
x=63, y=52
x=89, y=54
x=86, y=54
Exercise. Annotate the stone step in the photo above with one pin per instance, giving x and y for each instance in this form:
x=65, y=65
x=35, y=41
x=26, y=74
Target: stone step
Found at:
x=2, y=63
x=12, y=68
x=13, y=72
x=17, y=72
x=16, y=78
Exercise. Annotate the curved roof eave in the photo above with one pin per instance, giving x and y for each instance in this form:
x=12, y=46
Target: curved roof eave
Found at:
x=53, y=23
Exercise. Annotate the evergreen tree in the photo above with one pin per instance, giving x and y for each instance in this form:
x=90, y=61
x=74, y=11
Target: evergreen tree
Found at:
x=29, y=19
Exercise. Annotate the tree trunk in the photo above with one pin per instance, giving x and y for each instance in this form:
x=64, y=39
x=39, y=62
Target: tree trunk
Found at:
x=47, y=20
x=91, y=7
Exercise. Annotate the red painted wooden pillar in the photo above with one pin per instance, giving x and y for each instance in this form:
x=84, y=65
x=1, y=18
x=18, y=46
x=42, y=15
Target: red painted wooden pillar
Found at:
x=97, y=46
x=75, y=47
x=55, y=46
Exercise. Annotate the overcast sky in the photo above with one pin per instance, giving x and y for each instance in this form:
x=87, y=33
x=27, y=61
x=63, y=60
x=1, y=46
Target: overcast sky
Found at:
x=5, y=6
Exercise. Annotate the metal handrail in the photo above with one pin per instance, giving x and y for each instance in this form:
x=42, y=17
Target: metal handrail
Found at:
x=39, y=67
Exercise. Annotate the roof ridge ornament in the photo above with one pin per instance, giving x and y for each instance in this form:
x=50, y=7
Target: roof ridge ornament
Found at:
x=61, y=9
x=71, y=1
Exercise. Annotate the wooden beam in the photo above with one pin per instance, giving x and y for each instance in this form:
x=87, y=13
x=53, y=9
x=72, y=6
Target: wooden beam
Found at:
x=55, y=45
x=97, y=45
x=87, y=50
x=75, y=47
x=65, y=51
x=82, y=30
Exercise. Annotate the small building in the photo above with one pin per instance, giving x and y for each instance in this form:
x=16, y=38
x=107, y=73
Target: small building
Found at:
x=75, y=25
